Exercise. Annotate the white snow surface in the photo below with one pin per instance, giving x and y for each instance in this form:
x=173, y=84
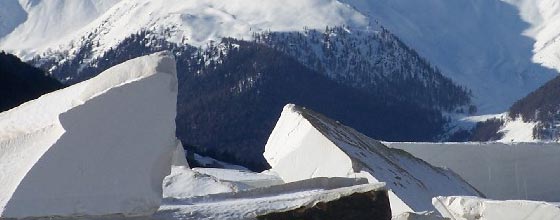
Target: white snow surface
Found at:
x=516, y=131
x=305, y=145
x=520, y=171
x=492, y=47
x=544, y=19
x=249, y=204
x=473, y=208
x=34, y=26
x=194, y=22
x=99, y=147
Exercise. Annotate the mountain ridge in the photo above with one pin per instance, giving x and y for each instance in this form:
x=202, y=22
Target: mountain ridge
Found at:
x=498, y=61
x=21, y=82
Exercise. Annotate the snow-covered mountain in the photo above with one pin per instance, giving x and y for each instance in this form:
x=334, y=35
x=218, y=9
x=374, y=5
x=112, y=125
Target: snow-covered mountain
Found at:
x=34, y=26
x=535, y=118
x=543, y=16
x=482, y=44
x=193, y=22
x=493, y=47
x=377, y=63
x=392, y=49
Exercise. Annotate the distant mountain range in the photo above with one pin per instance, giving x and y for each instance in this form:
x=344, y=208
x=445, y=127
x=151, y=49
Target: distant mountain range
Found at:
x=491, y=47
x=387, y=67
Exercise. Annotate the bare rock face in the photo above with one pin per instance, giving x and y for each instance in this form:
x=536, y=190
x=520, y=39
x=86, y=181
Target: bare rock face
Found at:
x=366, y=205
x=99, y=148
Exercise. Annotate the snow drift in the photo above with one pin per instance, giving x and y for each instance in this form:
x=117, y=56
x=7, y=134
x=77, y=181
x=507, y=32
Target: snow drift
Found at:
x=472, y=208
x=96, y=148
x=305, y=145
x=499, y=171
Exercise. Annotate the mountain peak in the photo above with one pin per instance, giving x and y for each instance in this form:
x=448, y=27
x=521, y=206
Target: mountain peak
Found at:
x=193, y=22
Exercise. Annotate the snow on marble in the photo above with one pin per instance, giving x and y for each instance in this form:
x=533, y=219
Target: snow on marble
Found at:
x=100, y=147
x=305, y=144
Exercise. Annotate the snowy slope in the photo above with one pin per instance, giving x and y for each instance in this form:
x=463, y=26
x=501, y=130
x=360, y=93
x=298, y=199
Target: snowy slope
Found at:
x=544, y=18
x=477, y=43
x=494, y=47
x=472, y=208
x=11, y=16
x=305, y=144
x=536, y=116
x=70, y=152
x=516, y=130
x=193, y=22
x=505, y=129
x=47, y=23
x=500, y=171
